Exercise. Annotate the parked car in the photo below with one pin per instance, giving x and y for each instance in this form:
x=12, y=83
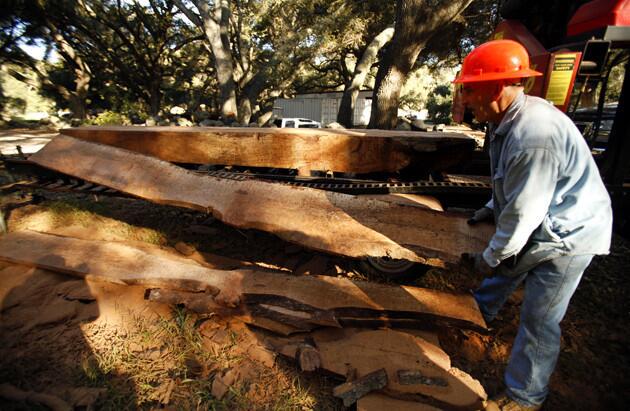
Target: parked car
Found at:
x=296, y=123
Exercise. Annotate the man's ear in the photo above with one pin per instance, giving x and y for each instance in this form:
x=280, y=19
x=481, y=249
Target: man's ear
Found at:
x=497, y=90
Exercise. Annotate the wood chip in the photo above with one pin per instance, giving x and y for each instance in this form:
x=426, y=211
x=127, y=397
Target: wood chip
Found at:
x=262, y=355
x=222, y=383
x=308, y=358
x=351, y=391
x=184, y=248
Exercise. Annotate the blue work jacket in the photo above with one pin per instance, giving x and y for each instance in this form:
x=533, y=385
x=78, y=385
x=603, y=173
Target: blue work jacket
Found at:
x=547, y=194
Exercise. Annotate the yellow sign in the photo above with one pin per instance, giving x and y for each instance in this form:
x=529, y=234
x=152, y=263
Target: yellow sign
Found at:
x=560, y=78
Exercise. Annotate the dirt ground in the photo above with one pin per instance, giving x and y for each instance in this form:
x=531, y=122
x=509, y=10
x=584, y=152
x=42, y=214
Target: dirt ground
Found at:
x=102, y=346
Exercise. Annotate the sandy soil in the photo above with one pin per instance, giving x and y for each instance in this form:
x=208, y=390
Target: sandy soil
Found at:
x=92, y=344
x=30, y=141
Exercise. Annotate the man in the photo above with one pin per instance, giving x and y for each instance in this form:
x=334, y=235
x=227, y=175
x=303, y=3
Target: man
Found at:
x=551, y=209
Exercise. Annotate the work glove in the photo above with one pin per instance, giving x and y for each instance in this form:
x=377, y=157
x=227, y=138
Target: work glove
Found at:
x=476, y=263
x=483, y=214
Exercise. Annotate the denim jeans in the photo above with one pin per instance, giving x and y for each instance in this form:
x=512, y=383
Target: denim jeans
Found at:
x=548, y=290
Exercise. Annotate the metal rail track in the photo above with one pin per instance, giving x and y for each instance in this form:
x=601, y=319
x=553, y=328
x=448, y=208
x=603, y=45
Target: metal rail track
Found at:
x=40, y=178
x=62, y=184
x=358, y=187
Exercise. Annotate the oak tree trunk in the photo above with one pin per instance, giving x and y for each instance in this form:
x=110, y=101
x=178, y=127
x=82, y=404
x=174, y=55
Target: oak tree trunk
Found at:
x=249, y=97
x=216, y=28
x=350, y=94
x=213, y=20
x=153, y=95
x=76, y=98
x=416, y=21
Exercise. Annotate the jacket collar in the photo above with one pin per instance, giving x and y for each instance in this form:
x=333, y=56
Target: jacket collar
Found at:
x=506, y=123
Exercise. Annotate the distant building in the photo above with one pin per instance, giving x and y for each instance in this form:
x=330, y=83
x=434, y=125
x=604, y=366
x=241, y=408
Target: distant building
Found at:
x=323, y=107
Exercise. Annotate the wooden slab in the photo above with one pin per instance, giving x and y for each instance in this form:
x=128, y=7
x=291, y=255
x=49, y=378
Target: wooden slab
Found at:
x=332, y=222
x=409, y=199
x=380, y=402
x=357, y=151
x=202, y=303
x=311, y=299
x=364, y=352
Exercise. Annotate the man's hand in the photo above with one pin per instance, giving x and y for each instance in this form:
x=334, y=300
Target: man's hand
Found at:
x=483, y=214
x=478, y=264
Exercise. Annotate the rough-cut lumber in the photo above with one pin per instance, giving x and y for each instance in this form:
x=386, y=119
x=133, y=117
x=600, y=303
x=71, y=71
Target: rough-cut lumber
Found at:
x=363, y=352
x=351, y=391
x=409, y=199
x=357, y=151
x=412, y=377
x=317, y=300
x=203, y=303
x=332, y=222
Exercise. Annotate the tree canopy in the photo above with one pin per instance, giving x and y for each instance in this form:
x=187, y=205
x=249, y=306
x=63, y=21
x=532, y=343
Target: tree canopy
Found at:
x=231, y=58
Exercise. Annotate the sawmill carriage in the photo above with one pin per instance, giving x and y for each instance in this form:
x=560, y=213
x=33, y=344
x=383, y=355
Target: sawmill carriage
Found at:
x=408, y=168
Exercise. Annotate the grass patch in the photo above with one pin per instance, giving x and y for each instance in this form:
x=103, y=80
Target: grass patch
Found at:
x=74, y=212
x=152, y=355
x=93, y=215
x=145, y=359
x=138, y=365
x=296, y=397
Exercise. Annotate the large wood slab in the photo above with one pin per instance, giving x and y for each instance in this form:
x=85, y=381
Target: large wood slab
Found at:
x=363, y=352
x=357, y=151
x=332, y=222
x=311, y=299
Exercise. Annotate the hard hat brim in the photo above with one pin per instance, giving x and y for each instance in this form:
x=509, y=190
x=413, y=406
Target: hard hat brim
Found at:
x=475, y=78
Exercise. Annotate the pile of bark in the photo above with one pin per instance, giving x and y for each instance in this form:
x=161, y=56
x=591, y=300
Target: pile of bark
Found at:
x=380, y=338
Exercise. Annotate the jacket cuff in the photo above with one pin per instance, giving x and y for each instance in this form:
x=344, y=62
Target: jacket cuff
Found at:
x=491, y=260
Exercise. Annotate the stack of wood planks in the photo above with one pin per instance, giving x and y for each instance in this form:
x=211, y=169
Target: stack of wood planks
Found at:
x=336, y=223
x=359, y=331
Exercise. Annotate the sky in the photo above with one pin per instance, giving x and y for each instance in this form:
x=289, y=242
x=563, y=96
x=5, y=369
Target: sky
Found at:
x=37, y=51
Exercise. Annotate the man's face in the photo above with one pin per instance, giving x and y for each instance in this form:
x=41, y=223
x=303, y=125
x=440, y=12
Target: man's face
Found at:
x=481, y=98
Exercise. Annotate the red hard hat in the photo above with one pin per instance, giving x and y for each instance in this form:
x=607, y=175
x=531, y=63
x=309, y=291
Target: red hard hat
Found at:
x=496, y=60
